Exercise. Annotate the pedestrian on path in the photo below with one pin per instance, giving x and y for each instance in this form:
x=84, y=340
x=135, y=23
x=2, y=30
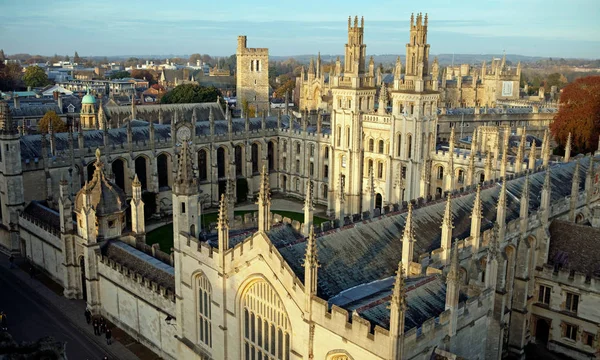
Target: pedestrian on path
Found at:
x=88, y=316
x=102, y=326
x=3, y=321
x=11, y=260
x=108, y=336
x=96, y=327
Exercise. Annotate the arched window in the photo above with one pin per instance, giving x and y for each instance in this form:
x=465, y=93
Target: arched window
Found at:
x=339, y=135
x=298, y=185
x=203, y=310
x=326, y=152
x=202, y=165
x=254, y=158
x=347, y=137
x=380, y=170
x=461, y=176
x=221, y=162
x=325, y=189
x=399, y=145
x=270, y=156
x=298, y=147
x=408, y=146
x=370, y=167
x=312, y=150
x=311, y=168
x=381, y=146
x=267, y=327
x=298, y=166
x=371, y=145
x=440, y=174
x=284, y=145
x=239, y=161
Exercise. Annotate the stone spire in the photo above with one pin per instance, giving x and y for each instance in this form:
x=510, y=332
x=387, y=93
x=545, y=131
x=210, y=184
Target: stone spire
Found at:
x=488, y=166
x=476, y=216
x=447, y=227
x=504, y=155
x=341, y=199
x=397, y=314
x=408, y=240
x=568, y=149
x=501, y=209
x=383, y=99
x=452, y=290
x=311, y=67
x=185, y=182
x=546, y=149
x=520, y=153
x=101, y=116
x=574, y=192
x=398, y=69
x=491, y=268
x=137, y=208
x=7, y=125
x=308, y=209
x=532, y=155
x=450, y=173
x=546, y=191
x=223, y=229
x=264, y=202
x=311, y=268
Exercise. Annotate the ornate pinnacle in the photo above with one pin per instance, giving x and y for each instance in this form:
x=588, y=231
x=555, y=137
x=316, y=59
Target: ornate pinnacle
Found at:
x=265, y=193
x=223, y=220
x=399, y=292
x=502, y=197
x=308, y=201
x=409, y=233
x=453, y=274
x=477, y=210
x=136, y=181
x=448, y=213
x=310, y=257
x=547, y=184
x=494, y=246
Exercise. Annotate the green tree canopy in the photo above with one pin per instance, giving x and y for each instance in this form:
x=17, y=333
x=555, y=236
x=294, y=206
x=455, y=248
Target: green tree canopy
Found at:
x=35, y=76
x=120, y=75
x=191, y=93
x=57, y=124
x=76, y=57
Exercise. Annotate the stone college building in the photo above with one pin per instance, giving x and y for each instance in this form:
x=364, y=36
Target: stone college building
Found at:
x=465, y=250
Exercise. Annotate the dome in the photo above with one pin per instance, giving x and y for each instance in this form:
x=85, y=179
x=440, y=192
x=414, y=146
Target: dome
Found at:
x=104, y=196
x=88, y=99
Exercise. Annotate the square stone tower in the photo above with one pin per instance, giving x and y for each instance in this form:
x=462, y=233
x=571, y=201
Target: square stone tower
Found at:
x=252, y=84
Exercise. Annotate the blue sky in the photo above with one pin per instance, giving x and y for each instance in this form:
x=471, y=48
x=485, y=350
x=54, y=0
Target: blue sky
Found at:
x=557, y=28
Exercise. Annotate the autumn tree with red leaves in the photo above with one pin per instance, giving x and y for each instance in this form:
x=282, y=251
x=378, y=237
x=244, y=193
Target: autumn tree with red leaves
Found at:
x=579, y=114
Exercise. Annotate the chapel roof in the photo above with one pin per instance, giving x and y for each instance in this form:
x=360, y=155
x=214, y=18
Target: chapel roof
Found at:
x=574, y=247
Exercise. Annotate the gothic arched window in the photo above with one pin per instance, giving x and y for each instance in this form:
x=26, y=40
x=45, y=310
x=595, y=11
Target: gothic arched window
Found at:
x=203, y=310
x=371, y=145
x=381, y=146
x=267, y=328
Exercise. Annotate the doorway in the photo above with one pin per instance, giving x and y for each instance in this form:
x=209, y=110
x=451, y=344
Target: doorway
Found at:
x=542, y=331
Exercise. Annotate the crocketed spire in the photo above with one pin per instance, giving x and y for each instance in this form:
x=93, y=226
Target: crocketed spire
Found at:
x=185, y=181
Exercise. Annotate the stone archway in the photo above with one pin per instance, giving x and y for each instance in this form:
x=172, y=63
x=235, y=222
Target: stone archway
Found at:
x=542, y=331
x=141, y=171
x=378, y=201
x=118, y=171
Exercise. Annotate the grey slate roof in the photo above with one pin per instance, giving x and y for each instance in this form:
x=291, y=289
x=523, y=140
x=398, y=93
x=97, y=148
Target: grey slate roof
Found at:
x=147, y=266
x=150, y=112
x=425, y=296
x=31, y=145
x=574, y=247
x=42, y=213
x=33, y=109
x=370, y=250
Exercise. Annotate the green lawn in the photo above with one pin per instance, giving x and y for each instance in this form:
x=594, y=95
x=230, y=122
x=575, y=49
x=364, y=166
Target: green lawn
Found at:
x=164, y=234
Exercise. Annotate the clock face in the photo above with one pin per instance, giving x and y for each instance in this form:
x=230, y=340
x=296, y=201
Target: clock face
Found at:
x=183, y=134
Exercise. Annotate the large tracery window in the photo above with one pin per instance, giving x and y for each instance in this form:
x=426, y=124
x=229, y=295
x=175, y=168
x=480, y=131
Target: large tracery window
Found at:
x=266, y=325
x=203, y=310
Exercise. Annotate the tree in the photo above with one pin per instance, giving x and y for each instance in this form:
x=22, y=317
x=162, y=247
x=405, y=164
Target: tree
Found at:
x=76, y=58
x=191, y=93
x=247, y=109
x=10, y=76
x=143, y=74
x=579, y=114
x=35, y=76
x=287, y=86
x=2, y=56
x=194, y=58
x=120, y=75
x=57, y=124
x=67, y=58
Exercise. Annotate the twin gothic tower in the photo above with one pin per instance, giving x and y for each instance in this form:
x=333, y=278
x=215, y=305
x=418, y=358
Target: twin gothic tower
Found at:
x=380, y=155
